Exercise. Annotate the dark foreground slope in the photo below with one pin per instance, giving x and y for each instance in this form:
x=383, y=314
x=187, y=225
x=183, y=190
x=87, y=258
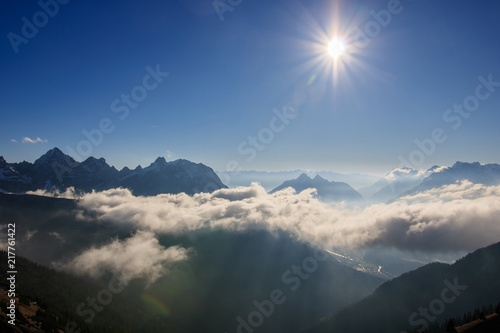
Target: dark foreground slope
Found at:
x=54, y=297
x=427, y=295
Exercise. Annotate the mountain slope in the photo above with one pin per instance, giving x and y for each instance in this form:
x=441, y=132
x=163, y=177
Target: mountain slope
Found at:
x=487, y=174
x=56, y=170
x=328, y=191
x=393, y=184
x=429, y=294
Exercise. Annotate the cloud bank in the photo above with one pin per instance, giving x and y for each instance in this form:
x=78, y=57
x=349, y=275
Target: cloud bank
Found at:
x=458, y=217
x=138, y=256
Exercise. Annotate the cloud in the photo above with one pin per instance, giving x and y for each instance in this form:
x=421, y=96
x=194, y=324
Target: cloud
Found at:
x=405, y=173
x=440, y=169
x=28, y=140
x=69, y=193
x=457, y=217
x=30, y=233
x=56, y=236
x=138, y=256
x=169, y=154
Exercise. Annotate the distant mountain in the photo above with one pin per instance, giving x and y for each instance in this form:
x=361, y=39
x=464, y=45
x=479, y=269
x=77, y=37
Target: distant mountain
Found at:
x=328, y=191
x=487, y=174
x=270, y=180
x=57, y=170
x=393, y=184
x=171, y=177
x=428, y=295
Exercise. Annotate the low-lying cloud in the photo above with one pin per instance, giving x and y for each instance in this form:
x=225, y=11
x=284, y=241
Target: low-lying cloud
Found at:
x=458, y=217
x=138, y=256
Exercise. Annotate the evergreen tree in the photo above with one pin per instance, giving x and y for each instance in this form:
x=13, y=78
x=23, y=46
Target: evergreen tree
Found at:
x=450, y=327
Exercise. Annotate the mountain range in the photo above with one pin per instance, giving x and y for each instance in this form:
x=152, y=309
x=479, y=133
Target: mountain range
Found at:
x=56, y=170
x=398, y=182
x=326, y=190
x=406, y=181
x=487, y=174
x=272, y=179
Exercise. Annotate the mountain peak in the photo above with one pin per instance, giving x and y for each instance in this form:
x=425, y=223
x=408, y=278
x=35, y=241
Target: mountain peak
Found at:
x=55, y=151
x=303, y=177
x=92, y=159
x=55, y=169
x=330, y=191
x=160, y=160
x=432, y=168
x=51, y=155
x=319, y=178
x=459, y=164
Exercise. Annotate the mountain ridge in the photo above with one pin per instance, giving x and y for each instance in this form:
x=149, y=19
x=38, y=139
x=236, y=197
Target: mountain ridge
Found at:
x=326, y=190
x=56, y=170
x=395, y=305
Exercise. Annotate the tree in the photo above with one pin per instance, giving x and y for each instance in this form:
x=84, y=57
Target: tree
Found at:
x=450, y=326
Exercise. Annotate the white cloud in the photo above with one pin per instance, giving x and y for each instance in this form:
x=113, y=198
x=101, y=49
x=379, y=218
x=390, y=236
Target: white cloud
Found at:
x=456, y=217
x=138, y=256
x=440, y=169
x=69, y=193
x=30, y=233
x=28, y=140
x=57, y=236
x=405, y=173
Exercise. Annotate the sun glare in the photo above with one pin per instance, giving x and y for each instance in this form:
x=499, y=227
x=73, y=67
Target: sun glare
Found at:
x=337, y=47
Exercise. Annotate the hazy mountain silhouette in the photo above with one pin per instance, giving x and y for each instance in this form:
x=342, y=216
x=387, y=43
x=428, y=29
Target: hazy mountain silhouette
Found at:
x=487, y=174
x=393, y=184
x=57, y=170
x=328, y=191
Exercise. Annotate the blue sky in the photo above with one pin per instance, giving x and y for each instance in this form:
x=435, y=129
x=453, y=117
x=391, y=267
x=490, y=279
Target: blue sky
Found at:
x=358, y=113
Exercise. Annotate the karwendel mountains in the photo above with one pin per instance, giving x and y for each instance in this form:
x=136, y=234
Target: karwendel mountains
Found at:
x=56, y=170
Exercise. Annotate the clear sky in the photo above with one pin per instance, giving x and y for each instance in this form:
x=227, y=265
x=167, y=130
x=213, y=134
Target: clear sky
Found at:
x=359, y=112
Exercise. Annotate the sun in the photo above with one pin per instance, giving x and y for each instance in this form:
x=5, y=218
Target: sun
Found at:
x=336, y=47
